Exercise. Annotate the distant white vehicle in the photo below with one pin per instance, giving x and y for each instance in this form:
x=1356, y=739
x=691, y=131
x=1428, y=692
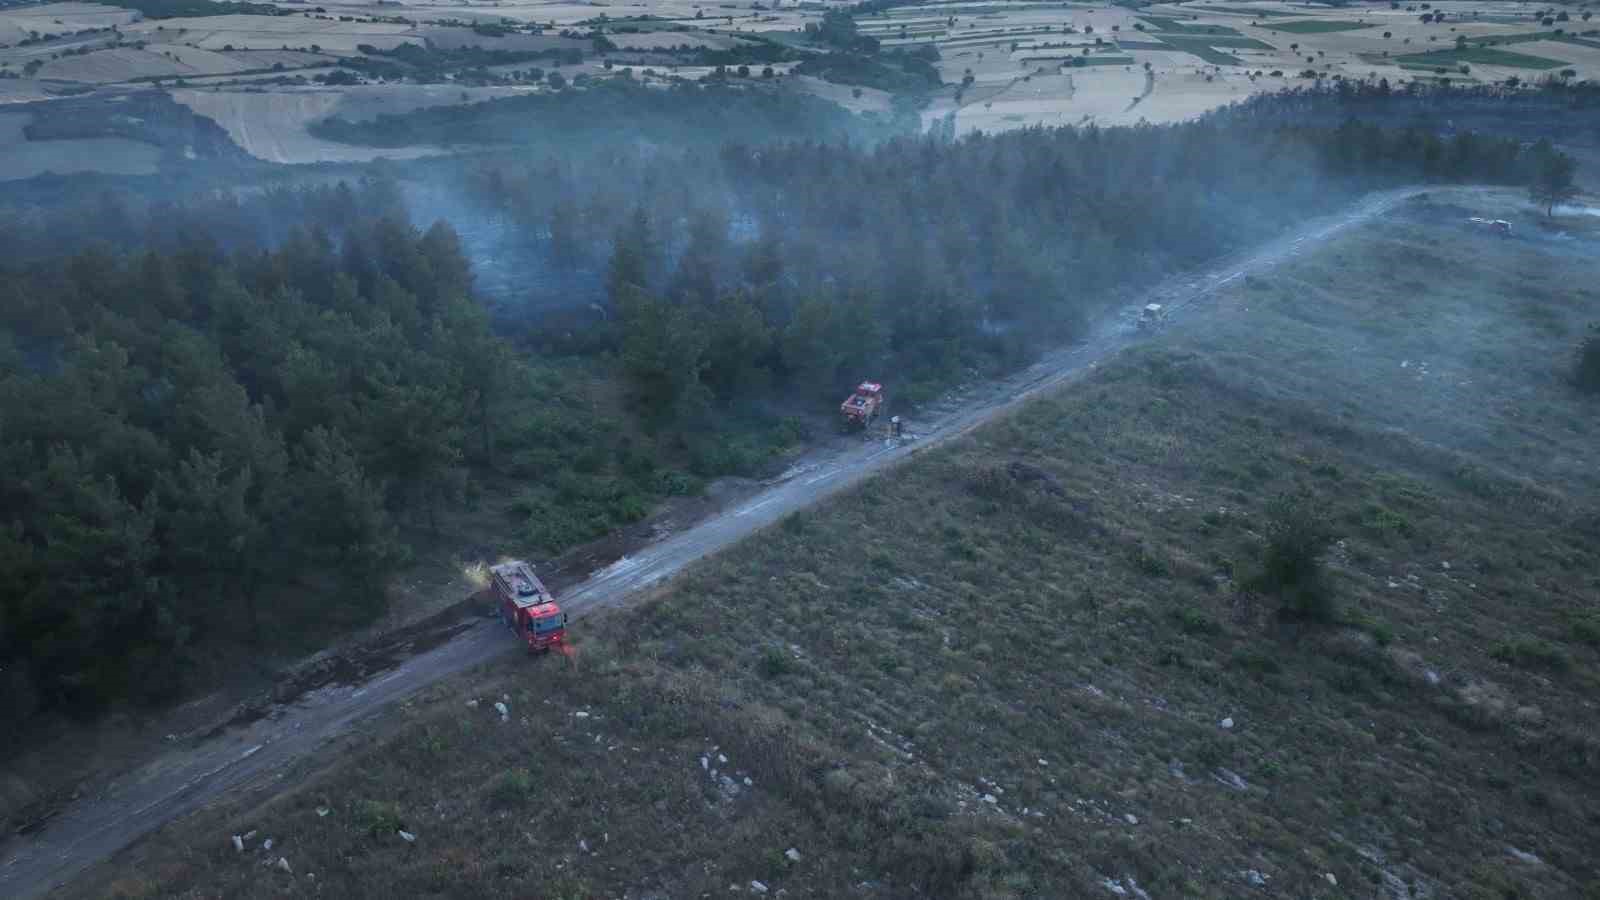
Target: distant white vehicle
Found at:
x=1152, y=315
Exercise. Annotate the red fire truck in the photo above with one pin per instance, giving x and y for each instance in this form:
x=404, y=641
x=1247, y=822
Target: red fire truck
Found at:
x=527, y=606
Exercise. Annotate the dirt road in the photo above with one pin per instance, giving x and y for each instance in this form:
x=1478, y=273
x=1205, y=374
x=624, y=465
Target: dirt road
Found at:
x=256, y=750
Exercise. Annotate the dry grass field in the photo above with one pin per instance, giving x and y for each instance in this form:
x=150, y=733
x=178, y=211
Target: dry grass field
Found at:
x=1038, y=662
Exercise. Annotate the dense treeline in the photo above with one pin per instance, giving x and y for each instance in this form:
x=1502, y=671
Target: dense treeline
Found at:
x=234, y=221
x=1553, y=108
x=568, y=121
x=919, y=260
x=180, y=432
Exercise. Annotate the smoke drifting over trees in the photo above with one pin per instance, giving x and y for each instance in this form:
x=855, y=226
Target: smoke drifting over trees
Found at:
x=211, y=405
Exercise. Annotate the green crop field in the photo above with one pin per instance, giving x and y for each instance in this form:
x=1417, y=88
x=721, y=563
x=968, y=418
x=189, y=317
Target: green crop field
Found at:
x=1045, y=659
x=1317, y=26
x=1201, y=47
x=1247, y=11
x=1173, y=26
x=1483, y=56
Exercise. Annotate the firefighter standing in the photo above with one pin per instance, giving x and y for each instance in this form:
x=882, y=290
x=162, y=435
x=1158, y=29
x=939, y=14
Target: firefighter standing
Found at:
x=894, y=426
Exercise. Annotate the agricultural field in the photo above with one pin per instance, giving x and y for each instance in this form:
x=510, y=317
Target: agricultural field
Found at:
x=19, y=23
x=1058, y=656
x=1003, y=64
x=22, y=158
x=271, y=124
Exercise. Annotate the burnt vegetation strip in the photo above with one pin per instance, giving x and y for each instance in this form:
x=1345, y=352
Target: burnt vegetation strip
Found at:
x=1202, y=621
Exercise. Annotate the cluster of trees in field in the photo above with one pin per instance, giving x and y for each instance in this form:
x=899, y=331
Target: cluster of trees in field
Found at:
x=811, y=265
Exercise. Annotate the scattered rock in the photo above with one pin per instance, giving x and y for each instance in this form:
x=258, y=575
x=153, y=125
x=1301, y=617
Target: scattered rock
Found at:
x=266, y=844
x=1227, y=723
x=284, y=865
x=581, y=714
x=583, y=845
x=472, y=704
x=238, y=844
x=1114, y=887
x=722, y=759
x=1432, y=676
x=503, y=711
x=792, y=854
x=758, y=887
x=1043, y=763
x=705, y=763
x=506, y=697
x=1130, y=818
x=249, y=836
x=1523, y=856
x=1445, y=566
x=748, y=782
x=1256, y=878
x=990, y=798
x=1328, y=877
x=407, y=836
x=323, y=811
x=1231, y=779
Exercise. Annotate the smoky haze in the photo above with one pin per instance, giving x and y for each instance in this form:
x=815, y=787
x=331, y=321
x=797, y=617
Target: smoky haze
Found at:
x=352, y=360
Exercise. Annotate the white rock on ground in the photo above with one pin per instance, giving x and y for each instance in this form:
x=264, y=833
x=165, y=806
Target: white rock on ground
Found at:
x=1328, y=876
x=792, y=854
x=238, y=844
x=503, y=711
x=990, y=798
x=1524, y=856
x=758, y=887
x=284, y=865
x=267, y=844
x=1255, y=878
x=1131, y=819
x=472, y=704
x=583, y=845
x=407, y=836
x=323, y=811
x=1227, y=723
x=581, y=714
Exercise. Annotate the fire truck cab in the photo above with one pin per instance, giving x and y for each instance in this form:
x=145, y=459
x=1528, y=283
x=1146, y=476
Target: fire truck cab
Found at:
x=527, y=607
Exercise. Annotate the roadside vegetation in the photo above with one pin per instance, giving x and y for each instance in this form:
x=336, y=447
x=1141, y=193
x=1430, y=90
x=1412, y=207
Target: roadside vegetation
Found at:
x=1049, y=659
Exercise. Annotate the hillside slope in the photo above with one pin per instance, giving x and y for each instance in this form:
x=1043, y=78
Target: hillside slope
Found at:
x=1028, y=665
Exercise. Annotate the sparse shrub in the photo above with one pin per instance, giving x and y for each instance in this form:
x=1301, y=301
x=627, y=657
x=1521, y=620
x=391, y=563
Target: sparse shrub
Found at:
x=1531, y=653
x=1255, y=663
x=1291, y=566
x=1586, y=363
x=511, y=788
x=1585, y=629
x=775, y=663
x=377, y=818
x=1193, y=621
